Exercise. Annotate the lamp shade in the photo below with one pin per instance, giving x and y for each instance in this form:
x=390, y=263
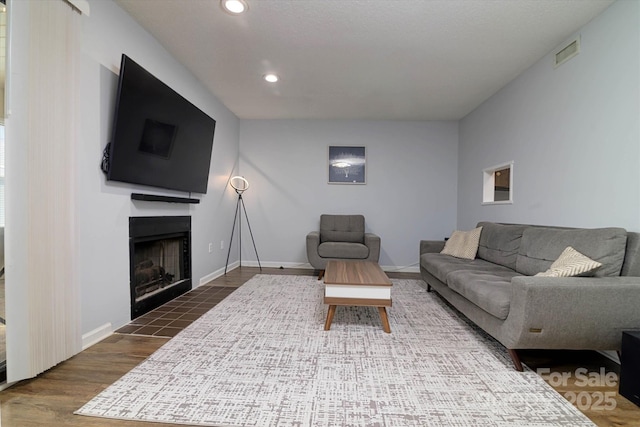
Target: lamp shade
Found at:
x=239, y=183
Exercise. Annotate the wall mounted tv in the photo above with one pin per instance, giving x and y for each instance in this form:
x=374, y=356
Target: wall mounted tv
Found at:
x=159, y=138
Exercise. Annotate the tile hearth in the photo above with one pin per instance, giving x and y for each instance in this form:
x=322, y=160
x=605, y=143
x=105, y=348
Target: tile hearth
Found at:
x=172, y=317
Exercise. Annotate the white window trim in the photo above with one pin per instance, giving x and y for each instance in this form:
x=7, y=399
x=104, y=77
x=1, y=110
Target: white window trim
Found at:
x=488, y=184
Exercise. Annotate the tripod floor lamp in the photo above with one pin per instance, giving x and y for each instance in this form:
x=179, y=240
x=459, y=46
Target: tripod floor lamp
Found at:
x=240, y=185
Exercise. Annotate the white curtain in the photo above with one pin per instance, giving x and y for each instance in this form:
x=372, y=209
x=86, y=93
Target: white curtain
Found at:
x=49, y=295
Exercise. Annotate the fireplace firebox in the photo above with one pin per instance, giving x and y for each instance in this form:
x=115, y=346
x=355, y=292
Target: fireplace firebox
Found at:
x=159, y=261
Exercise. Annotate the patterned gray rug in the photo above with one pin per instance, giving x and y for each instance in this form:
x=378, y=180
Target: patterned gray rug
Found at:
x=262, y=358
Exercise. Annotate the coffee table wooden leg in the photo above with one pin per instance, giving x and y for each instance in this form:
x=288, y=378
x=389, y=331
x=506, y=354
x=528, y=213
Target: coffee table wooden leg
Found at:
x=385, y=319
x=330, y=313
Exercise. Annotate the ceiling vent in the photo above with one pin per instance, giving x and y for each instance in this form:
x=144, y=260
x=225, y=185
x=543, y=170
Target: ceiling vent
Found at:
x=567, y=52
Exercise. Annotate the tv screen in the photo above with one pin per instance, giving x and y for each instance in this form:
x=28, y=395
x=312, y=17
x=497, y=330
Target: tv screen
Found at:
x=159, y=138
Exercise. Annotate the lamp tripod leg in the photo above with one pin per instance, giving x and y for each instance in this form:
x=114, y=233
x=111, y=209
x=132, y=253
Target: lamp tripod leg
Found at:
x=233, y=228
x=251, y=233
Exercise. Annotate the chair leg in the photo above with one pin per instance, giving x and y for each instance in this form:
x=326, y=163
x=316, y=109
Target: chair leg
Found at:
x=321, y=275
x=516, y=359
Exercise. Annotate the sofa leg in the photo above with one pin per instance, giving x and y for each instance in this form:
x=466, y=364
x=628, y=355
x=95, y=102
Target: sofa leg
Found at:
x=516, y=359
x=321, y=275
x=428, y=287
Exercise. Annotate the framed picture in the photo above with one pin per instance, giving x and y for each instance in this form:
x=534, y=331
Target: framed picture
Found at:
x=347, y=165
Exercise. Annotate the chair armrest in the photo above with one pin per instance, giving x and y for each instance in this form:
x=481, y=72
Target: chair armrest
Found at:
x=431, y=246
x=372, y=241
x=313, y=240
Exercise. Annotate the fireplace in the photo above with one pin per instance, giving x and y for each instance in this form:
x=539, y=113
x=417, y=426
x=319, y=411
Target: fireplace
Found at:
x=159, y=260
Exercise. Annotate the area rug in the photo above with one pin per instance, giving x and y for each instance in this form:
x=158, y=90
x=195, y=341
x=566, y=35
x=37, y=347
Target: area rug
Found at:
x=262, y=358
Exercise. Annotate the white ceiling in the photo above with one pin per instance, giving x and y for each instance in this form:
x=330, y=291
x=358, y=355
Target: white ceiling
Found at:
x=361, y=59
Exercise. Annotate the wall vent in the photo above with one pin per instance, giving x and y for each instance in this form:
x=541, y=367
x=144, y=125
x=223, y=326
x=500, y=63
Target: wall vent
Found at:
x=567, y=52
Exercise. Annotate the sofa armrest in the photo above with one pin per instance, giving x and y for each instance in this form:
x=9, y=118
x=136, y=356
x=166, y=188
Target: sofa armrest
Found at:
x=572, y=312
x=431, y=246
x=372, y=241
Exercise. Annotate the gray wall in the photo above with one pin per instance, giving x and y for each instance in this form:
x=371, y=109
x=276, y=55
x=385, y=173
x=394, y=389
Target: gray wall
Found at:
x=410, y=192
x=573, y=133
x=105, y=207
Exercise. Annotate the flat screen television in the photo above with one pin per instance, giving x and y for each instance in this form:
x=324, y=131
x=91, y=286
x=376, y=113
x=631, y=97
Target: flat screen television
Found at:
x=158, y=138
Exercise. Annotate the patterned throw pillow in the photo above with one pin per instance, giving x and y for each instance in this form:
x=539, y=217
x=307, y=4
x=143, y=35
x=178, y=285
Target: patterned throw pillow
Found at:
x=463, y=244
x=571, y=263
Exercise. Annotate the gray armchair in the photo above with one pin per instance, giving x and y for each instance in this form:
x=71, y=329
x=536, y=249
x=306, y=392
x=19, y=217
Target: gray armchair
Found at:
x=341, y=237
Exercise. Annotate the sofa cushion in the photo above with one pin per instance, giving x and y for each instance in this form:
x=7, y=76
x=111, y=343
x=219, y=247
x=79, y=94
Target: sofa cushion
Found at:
x=463, y=244
x=540, y=246
x=342, y=228
x=571, y=263
x=489, y=290
x=440, y=265
x=499, y=243
x=343, y=250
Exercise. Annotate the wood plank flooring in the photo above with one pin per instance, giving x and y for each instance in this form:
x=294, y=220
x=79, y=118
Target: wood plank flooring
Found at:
x=51, y=398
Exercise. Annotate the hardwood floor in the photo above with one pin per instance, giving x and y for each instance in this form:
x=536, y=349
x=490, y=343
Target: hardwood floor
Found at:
x=584, y=384
x=52, y=397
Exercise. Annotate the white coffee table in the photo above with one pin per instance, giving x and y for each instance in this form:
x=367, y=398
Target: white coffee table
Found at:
x=357, y=283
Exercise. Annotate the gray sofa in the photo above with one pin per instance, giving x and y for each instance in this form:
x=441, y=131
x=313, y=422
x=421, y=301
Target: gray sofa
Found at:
x=498, y=291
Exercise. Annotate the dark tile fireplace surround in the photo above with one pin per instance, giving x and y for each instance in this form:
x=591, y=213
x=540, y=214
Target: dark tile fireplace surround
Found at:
x=159, y=261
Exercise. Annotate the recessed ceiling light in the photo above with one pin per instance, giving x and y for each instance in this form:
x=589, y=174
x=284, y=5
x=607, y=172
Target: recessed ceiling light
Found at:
x=234, y=7
x=271, y=78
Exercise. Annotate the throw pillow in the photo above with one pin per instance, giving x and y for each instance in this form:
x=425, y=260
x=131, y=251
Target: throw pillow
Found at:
x=463, y=244
x=571, y=263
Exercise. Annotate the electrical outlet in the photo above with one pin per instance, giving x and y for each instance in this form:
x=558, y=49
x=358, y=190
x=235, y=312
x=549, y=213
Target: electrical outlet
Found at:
x=221, y=244
x=210, y=247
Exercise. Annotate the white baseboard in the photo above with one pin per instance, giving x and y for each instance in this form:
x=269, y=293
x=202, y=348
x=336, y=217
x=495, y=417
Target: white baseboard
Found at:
x=97, y=335
x=219, y=272
x=306, y=265
x=396, y=269
x=275, y=264
x=5, y=386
